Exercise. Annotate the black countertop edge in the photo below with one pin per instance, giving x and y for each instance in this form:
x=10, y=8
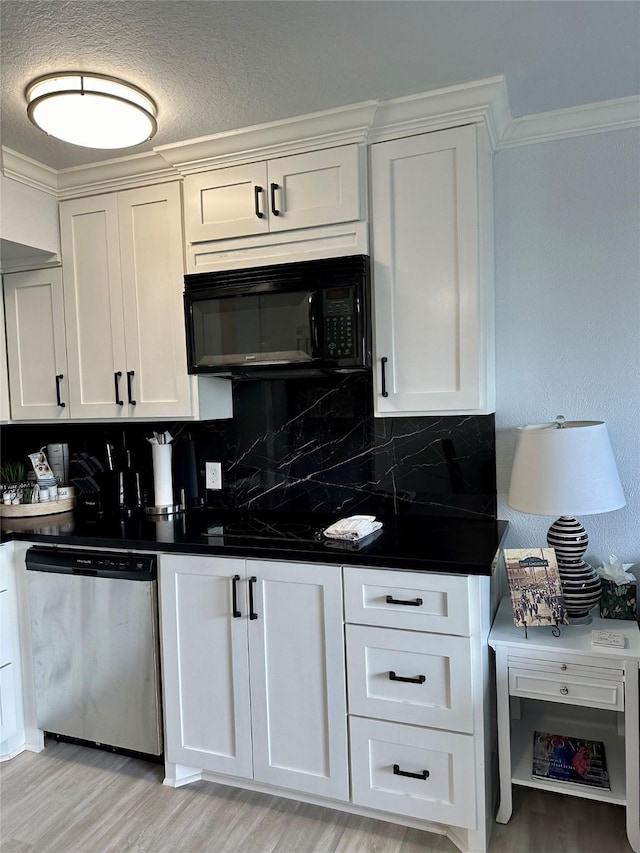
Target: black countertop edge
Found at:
x=472, y=544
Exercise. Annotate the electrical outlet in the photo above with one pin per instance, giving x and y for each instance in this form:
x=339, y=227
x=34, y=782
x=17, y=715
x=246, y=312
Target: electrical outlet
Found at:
x=213, y=475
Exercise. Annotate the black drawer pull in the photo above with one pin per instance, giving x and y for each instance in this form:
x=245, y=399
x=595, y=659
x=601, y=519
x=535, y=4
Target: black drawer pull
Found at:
x=234, y=596
x=116, y=379
x=252, y=612
x=383, y=363
x=274, y=209
x=130, y=375
x=256, y=198
x=59, y=378
x=416, y=602
x=397, y=772
x=419, y=679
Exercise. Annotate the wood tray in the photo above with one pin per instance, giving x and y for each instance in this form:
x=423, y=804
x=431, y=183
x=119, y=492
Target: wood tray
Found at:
x=44, y=508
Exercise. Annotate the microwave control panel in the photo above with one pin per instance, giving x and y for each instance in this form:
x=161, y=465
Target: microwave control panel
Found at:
x=339, y=311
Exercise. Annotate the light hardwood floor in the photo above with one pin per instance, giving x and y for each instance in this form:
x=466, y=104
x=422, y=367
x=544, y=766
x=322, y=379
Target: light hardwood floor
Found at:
x=72, y=799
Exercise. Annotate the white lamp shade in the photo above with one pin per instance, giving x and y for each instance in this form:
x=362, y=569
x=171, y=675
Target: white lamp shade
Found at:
x=565, y=471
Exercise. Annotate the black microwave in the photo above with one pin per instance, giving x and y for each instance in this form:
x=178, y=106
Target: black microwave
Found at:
x=303, y=318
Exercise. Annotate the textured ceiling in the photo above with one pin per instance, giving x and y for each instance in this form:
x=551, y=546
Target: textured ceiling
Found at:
x=214, y=66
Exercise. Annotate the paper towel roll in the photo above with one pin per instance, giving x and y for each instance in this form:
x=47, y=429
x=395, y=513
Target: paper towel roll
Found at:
x=162, y=477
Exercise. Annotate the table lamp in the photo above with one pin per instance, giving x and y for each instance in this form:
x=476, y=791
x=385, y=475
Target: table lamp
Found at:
x=567, y=468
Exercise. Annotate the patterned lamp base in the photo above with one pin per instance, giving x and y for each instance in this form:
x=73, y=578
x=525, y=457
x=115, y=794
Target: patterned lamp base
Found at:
x=581, y=585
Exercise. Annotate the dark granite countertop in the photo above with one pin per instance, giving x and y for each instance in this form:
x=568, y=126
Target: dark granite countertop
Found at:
x=419, y=543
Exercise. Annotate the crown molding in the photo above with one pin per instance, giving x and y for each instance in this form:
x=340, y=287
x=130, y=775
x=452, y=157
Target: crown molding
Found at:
x=20, y=168
x=481, y=102
x=576, y=121
x=470, y=103
x=110, y=175
x=314, y=130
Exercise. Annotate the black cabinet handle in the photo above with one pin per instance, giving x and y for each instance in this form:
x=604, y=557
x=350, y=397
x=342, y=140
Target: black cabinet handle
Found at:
x=419, y=679
x=274, y=209
x=130, y=375
x=116, y=379
x=416, y=602
x=383, y=369
x=59, y=378
x=234, y=596
x=397, y=772
x=256, y=198
x=252, y=613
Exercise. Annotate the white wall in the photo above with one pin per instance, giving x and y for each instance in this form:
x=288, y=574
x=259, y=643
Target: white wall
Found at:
x=568, y=312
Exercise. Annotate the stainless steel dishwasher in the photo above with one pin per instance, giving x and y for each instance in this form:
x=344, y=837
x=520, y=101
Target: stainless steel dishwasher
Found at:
x=94, y=624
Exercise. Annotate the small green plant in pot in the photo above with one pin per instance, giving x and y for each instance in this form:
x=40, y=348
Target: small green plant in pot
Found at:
x=12, y=473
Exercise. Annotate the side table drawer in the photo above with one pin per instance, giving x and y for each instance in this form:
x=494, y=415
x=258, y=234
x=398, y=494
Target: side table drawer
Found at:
x=570, y=689
x=408, y=677
x=413, y=601
x=411, y=771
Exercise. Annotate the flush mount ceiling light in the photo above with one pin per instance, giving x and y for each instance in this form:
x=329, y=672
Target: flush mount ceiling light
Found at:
x=91, y=110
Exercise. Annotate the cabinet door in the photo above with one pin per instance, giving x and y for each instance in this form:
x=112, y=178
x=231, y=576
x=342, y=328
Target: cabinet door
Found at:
x=317, y=188
x=229, y=202
x=298, y=703
x=36, y=349
x=93, y=306
x=205, y=664
x=4, y=369
x=156, y=383
x=430, y=316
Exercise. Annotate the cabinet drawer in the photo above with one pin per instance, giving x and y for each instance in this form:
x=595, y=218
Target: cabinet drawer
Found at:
x=570, y=689
x=417, y=602
x=442, y=788
x=568, y=667
x=409, y=677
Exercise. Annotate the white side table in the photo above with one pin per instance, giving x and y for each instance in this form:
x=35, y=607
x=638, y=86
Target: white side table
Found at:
x=565, y=685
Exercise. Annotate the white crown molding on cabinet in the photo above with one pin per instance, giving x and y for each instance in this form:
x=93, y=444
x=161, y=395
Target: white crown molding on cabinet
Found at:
x=136, y=170
x=273, y=139
x=482, y=101
x=20, y=168
x=472, y=103
x=576, y=121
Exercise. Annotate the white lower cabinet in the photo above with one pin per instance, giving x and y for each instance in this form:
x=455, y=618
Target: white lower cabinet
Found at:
x=255, y=683
x=12, y=734
x=254, y=676
x=417, y=672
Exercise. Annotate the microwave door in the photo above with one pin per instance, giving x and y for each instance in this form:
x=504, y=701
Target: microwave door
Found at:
x=253, y=329
x=286, y=333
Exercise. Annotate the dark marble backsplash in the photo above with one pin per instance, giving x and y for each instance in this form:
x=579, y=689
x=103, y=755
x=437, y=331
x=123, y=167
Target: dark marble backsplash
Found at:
x=309, y=444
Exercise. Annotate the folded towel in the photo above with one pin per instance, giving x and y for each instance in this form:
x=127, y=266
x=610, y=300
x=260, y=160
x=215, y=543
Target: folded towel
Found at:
x=354, y=528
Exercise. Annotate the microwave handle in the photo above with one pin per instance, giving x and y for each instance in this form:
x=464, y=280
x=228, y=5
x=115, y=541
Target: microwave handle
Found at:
x=314, y=324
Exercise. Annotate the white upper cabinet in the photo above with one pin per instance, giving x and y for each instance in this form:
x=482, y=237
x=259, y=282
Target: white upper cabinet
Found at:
x=297, y=191
x=432, y=273
x=5, y=412
x=123, y=281
x=36, y=349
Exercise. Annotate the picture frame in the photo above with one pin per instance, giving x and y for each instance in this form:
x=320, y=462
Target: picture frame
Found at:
x=534, y=587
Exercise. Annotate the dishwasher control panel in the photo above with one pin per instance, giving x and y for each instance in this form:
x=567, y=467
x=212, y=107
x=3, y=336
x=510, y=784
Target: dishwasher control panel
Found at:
x=110, y=564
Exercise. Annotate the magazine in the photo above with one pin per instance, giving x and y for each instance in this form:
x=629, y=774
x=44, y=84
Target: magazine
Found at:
x=535, y=588
x=570, y=759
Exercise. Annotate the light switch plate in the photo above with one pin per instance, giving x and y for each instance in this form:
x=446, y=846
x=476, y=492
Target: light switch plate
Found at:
x=213, y=476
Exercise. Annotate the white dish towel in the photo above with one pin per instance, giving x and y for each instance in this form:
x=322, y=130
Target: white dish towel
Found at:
x=354, y=528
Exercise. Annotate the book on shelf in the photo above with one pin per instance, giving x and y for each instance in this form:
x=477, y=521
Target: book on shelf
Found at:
x=570, y=759
x=534, y=586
